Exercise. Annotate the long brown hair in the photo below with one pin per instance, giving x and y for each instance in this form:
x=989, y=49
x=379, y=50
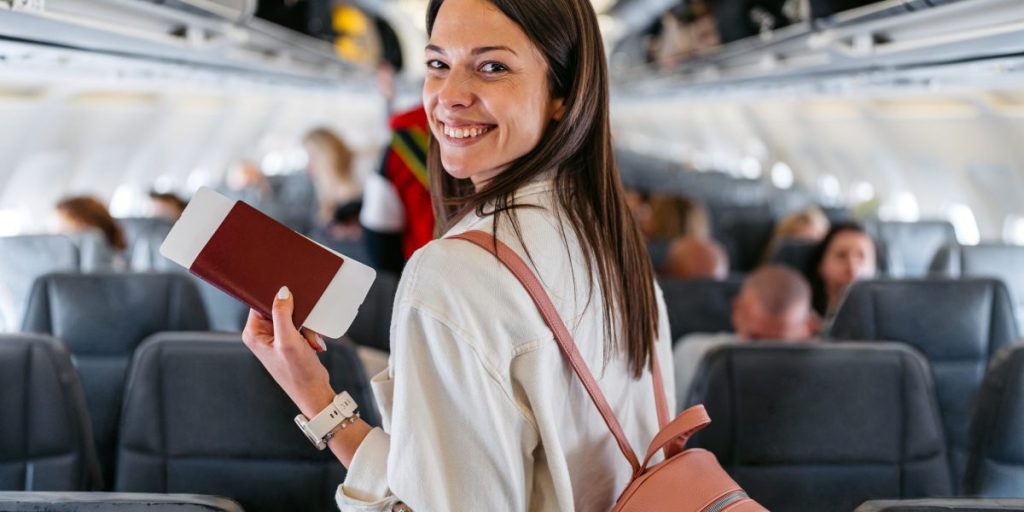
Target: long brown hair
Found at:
x=578, y=147
x=89, y=211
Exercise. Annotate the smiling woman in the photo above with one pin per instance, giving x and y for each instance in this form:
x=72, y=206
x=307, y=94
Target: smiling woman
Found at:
x=480, y=410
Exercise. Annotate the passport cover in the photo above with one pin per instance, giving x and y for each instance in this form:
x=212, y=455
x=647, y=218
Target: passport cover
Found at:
x=250, y=256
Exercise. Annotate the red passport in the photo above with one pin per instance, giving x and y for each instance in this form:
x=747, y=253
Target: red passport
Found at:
x=249, y=255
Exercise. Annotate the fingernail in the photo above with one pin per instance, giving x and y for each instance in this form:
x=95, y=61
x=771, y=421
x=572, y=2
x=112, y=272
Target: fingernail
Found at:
x=283, y=293
x=320, y=341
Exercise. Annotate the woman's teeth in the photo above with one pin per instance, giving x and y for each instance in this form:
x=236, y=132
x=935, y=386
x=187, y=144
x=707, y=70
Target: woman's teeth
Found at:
x=465, y=133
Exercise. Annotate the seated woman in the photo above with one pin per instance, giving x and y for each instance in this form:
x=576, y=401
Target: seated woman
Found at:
x=845, y=255
x=79, y=216
x=676, y=225
x=481, y=411
x=808, y=225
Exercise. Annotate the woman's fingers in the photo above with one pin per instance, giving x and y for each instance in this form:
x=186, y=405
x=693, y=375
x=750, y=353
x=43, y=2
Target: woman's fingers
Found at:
x=314, y=340
x=258, y=330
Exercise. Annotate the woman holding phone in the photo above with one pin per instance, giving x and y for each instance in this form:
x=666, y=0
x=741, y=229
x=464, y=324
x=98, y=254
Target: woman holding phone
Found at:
x=481, y=410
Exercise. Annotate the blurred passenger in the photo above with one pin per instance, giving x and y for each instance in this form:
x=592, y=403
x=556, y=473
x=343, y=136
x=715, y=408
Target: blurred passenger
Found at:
x=845, y=255
x=774, y=304
x=246, y=182
x=640, y=207
x=674, y=217
x=85, y=218
x=398, y=215
x=695, y=258
x=76, y=214
x=166, y=205
x=808, y=225
x=331, y=168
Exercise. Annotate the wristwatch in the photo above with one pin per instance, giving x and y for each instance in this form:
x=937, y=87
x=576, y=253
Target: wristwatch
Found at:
x=340, y=413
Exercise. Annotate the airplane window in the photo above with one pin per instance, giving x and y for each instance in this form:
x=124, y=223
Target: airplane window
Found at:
x=862, y=192
x=965, y=224
x=829, y=188
x=11, y=222
x=782, y=175
x=750, y=168
x=1013, y=229
x=903, y=206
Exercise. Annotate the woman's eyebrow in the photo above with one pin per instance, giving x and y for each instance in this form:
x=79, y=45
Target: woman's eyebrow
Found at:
x=476, y=51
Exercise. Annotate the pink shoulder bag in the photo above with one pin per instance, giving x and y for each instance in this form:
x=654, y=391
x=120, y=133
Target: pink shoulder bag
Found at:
x=687, y=480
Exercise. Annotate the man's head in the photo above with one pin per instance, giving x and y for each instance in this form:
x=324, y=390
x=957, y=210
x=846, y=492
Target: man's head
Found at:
x=774, y=303
x=693, y=258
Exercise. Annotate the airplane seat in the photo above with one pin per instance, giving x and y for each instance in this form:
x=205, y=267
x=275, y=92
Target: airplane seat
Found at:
x=957, y=324
x=202, y=415
x=372, y=325
x=745, y=237
x=943, y=505
x=102, y=317
x=908, y=247
x=823, y=426
x=1002, y=261
x=45, y=437
x=995, y=467
x=23, y=258
x=699, y=305
x=144, y=236
x=225, y=313
x=294, y=201
x=113, y=501
x=795, y=254
x=95, y=254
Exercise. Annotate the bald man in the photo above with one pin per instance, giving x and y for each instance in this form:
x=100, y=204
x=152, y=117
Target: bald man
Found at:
x=694, y=257
x=774, y=304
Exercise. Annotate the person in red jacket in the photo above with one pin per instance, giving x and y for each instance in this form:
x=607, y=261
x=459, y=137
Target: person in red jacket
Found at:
x=397, y=215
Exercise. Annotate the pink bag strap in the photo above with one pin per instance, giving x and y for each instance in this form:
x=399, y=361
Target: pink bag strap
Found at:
x=547, y=309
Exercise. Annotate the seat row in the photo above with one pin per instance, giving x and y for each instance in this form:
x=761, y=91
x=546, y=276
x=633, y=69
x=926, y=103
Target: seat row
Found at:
x=827, y=427
x=103, y=317
x=199, y=416
x=957, y=324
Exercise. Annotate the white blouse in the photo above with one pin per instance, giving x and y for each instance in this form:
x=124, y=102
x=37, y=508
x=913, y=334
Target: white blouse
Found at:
x=480, y=409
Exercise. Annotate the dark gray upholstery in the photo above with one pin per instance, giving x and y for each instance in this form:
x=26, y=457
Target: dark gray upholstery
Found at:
x=908, y=247
x=201, y=415
x=23, y=259
x=144, y=236
x=995, y=466
x=823, y=427
x=796, y=254
x=372, y=326
x=745, y=239
x=115, y=501
x=942, y=505
x=1002, y=261
x=45, y=437
x=699, y=305
x=225, y=312
x=102, y=318
x=958, y=325
x=94, y=252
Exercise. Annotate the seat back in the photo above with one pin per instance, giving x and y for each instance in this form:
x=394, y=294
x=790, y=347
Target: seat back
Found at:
x=201, y=415
x=995, y=466
x=94, y=252
x=225, y=312
x=908, y=247
x=1002, y=261
x=113, y=501
x=102, y=318
x=942, y=505
x=795, y=254
x=144, y=236
x=823, y=427
x=745, y=238
x=45, y=437
x=23, y=258
x=957, y=324
x=699, y=305
x=372, y=326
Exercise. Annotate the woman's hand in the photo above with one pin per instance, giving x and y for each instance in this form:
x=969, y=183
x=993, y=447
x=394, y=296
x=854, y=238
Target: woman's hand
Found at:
x=290, y=355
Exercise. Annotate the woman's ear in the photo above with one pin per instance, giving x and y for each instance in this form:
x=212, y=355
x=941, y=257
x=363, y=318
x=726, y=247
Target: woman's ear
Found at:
x=557, y=109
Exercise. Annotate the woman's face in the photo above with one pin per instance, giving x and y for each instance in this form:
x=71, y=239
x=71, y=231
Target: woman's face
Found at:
x=486, y=93
x=849, y=257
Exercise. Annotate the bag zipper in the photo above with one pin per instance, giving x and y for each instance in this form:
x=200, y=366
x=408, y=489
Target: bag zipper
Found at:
x=725, y=501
